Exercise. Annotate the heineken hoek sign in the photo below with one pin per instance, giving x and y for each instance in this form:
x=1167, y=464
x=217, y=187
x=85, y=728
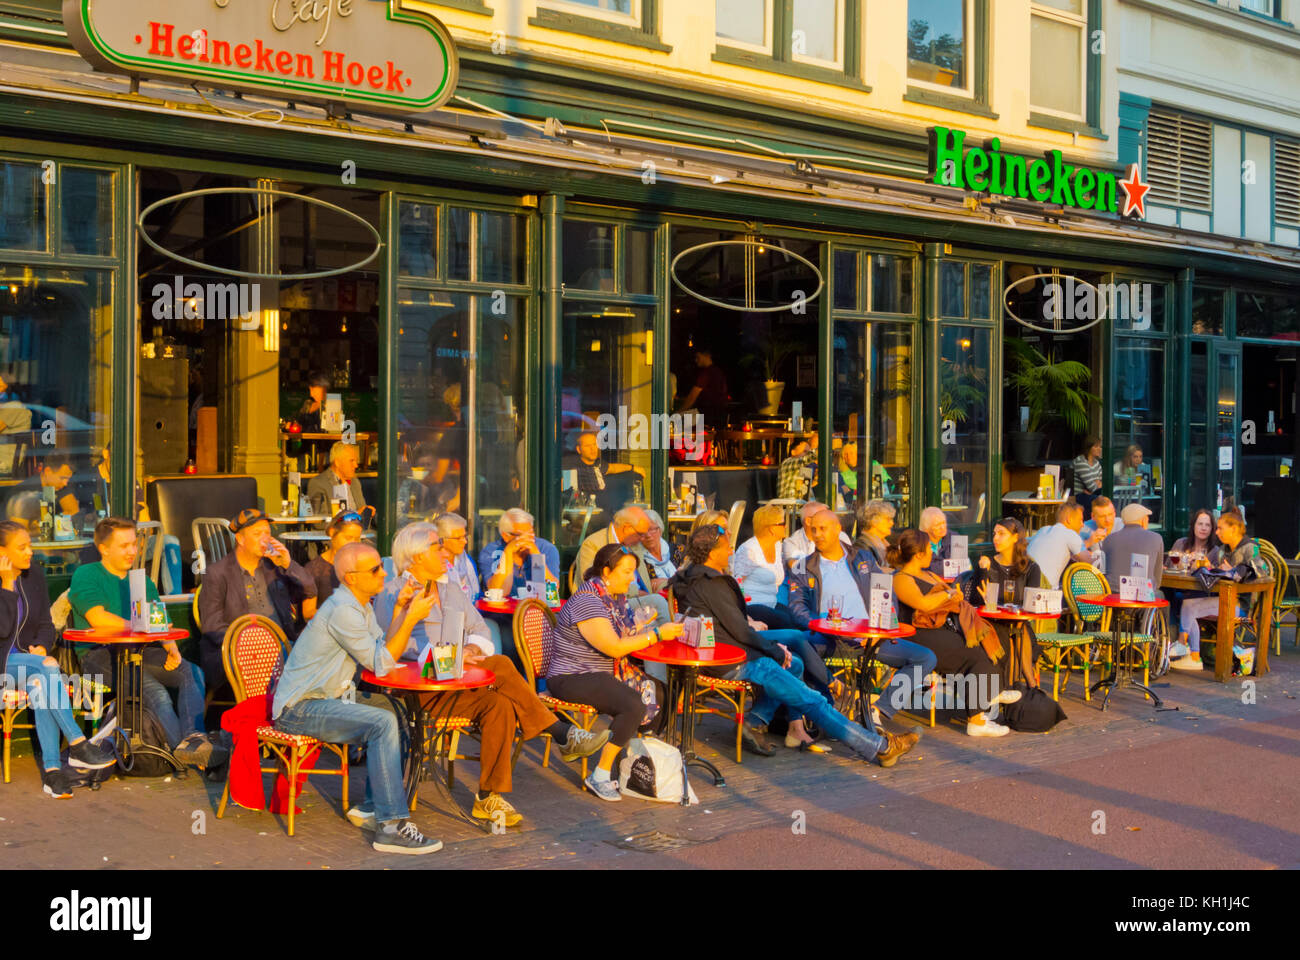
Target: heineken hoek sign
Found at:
x=1047, y=180
x=376, y=55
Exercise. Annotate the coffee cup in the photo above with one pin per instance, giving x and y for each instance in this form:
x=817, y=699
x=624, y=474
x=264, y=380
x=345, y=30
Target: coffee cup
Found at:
x=496, y=595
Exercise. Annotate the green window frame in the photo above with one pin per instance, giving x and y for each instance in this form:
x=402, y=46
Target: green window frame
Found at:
x=782, y=59
x=1090, y=126
x=978, y=103
x=469, y=6
x=567, y=17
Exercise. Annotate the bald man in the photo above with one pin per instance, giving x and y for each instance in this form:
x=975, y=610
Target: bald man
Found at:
x=316, y=695
x=800, y=543
x=833, y=569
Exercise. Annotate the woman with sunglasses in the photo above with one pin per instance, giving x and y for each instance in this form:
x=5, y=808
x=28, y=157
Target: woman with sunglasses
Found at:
x=758, y=569
x=593, y=631
x=343, y=529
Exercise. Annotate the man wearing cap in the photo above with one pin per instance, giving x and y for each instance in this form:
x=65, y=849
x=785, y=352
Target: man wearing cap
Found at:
x=1133, y=539
x=259, y=577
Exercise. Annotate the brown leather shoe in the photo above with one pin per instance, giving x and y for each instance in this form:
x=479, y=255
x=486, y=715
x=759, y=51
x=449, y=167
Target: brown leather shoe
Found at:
x=753, y=737
x=895, y=746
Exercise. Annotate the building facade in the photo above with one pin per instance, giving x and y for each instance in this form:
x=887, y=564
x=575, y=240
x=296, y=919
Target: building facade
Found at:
x=879, y=222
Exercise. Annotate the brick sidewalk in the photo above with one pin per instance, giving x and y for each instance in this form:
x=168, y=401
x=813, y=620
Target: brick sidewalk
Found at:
x=132, y=823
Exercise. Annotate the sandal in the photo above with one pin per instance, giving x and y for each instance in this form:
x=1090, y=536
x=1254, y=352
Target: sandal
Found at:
x=814, y=747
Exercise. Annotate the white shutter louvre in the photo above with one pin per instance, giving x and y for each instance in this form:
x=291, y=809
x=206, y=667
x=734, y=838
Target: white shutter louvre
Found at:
x=1179, y=167
x=1286, y=176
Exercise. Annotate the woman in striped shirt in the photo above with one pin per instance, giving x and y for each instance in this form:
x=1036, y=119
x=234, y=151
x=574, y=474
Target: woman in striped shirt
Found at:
x=593, y=631
x=1087, y=472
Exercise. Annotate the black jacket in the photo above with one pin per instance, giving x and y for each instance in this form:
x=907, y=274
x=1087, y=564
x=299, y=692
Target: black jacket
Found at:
x=222, y=602
x=703, y=591
x=35, y=628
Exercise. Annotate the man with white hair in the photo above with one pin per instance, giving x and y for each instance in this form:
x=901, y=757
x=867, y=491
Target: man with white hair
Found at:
x=509, y=704
x=799, y=544
x=504, y=563
x=934, y=524
x=345, y=459
x=453, y=529
x=627, y=528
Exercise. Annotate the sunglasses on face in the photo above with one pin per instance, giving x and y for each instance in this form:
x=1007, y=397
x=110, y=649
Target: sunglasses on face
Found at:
x=373, y=570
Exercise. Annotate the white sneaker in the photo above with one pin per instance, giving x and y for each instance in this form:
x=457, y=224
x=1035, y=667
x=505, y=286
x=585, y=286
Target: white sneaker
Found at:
x=1187, y=663
x=1179, y=649
x=1007, y=696
x=987, y=729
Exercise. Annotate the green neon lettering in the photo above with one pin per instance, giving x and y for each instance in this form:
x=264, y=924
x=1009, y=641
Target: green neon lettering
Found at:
x=946, y=155
x=1105, y=198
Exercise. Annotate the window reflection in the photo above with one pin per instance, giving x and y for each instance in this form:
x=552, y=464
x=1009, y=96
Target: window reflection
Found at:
x=964, y=426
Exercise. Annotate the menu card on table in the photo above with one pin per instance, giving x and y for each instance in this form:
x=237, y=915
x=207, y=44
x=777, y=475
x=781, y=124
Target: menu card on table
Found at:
x=881, y=615
x=698, y=632
x=1038, y=600
x=444, y=658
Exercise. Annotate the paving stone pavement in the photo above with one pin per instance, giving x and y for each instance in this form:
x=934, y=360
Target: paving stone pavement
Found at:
x=135, y=823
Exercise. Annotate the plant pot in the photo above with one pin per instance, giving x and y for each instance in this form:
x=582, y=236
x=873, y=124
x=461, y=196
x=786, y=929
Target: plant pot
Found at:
x=1025, y=447
x=774, y=390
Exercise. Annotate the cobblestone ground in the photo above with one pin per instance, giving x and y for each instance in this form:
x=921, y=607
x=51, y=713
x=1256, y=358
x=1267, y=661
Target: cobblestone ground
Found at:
x=1207, y=782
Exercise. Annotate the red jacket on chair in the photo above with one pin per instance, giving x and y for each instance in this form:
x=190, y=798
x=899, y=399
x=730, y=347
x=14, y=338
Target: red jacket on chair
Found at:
x=242, y=721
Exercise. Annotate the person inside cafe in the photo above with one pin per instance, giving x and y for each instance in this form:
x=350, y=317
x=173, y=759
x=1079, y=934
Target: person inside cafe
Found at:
x=1236, y=551
x=345, y=528
x=1087, y=472
x=24, y=497
x=796, y=478
x=1133, y=539
x=656, y=553
x=963, y=664
x=875, y=525
x=934, y=524
x=706, y=588
x=337, y=480
x=453, y=530
x=1128, y=469
x=757, y=567
x=835, y=569
x=593, y=631
x=433, y=487
x=709, y=394
x=1054, y=548
x=799, y=544
x=100, y=597
x=309, y=413
x=593, y=467
x=316, y=694
x=509, y=704
x=846, y=475
x=27, y=641
x=627, y=528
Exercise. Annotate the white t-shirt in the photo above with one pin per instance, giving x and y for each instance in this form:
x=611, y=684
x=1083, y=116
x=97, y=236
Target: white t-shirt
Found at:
x=759, y=580
x=1052, y=549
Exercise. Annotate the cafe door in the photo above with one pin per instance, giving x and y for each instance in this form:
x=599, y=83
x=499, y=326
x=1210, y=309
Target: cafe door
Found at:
x=1225, y=415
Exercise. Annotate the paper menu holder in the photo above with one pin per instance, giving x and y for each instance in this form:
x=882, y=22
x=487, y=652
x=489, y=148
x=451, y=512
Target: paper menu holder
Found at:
x=960, y=555
x=1053, y=470
x=1132, y=588
x=698, y=632
x=139, y=602
x=1038, y=600
x=881, y=614
x=444, y=658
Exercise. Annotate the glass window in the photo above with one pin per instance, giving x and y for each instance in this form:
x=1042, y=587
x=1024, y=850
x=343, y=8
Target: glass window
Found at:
x=952, y=288
x=816, y=30
x=846, y=280
x=461, y=407
x=964, y=393
x=1198, y=389
x=1207, y=311
x=938, y=34
x=486, y=247
x=981, y=291
x=873, y=414
x=1267, y=315
x=1058, y=37
x=1136, y=305
x=1138, y=425
x=459, y=243
x=611, y=6
x=589, y=255
x=744, y=21
x=87, y=208
x=1266, y=7
x=55, y=403
x=891, y=284
x=638, y=260
x=22, y=207
x=418, y=240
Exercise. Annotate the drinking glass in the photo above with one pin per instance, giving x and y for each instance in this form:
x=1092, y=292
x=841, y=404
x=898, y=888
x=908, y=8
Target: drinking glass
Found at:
x=1008, y=591
x=835, y=605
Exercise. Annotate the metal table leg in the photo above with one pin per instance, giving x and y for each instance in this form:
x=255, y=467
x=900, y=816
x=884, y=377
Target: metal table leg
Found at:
x=688, y=735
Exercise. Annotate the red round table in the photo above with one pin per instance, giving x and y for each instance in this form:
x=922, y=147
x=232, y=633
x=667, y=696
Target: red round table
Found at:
x=422, y=696
x=864, y=663
x=128, y=684
x=1016, y=620
x=506, y=607
x=684, y=663
x=1126, y=616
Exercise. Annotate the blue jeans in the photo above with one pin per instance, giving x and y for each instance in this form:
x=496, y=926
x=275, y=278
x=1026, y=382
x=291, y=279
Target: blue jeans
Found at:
x=784, y=686
x=911, y=663
x=48, y=700
x=187, y=716
x=371, y=722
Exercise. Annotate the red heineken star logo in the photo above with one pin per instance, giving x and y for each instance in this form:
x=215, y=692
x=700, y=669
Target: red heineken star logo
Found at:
x=1135, y=192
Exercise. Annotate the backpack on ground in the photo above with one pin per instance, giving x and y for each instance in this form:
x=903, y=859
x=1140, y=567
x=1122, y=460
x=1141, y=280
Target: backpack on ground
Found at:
x=135, y=763
x=652, y=770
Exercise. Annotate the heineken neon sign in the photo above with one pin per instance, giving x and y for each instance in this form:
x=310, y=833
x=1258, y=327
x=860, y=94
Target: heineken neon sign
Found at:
x=1047, y=180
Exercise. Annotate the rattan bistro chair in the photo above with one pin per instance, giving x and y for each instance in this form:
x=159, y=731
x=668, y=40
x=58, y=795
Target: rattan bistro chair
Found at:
x=12, y=703
x=1061, y=648
x=534, y=629
x=253, y=652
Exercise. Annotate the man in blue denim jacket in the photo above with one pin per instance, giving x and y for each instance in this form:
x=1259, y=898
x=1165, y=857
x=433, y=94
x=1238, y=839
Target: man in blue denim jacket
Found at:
x=315, y=695
x=831, y=570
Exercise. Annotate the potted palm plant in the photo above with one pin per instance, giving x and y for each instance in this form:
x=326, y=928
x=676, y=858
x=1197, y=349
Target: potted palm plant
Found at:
x=1053, y=390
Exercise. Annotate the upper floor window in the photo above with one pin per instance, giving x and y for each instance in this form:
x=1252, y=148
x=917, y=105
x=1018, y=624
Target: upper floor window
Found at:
x=939, y=34
x=1179, y=160
x=621, y=10
x=1286, y=182
x=1059, y=55
x=817, y=39
x=1266, y=7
